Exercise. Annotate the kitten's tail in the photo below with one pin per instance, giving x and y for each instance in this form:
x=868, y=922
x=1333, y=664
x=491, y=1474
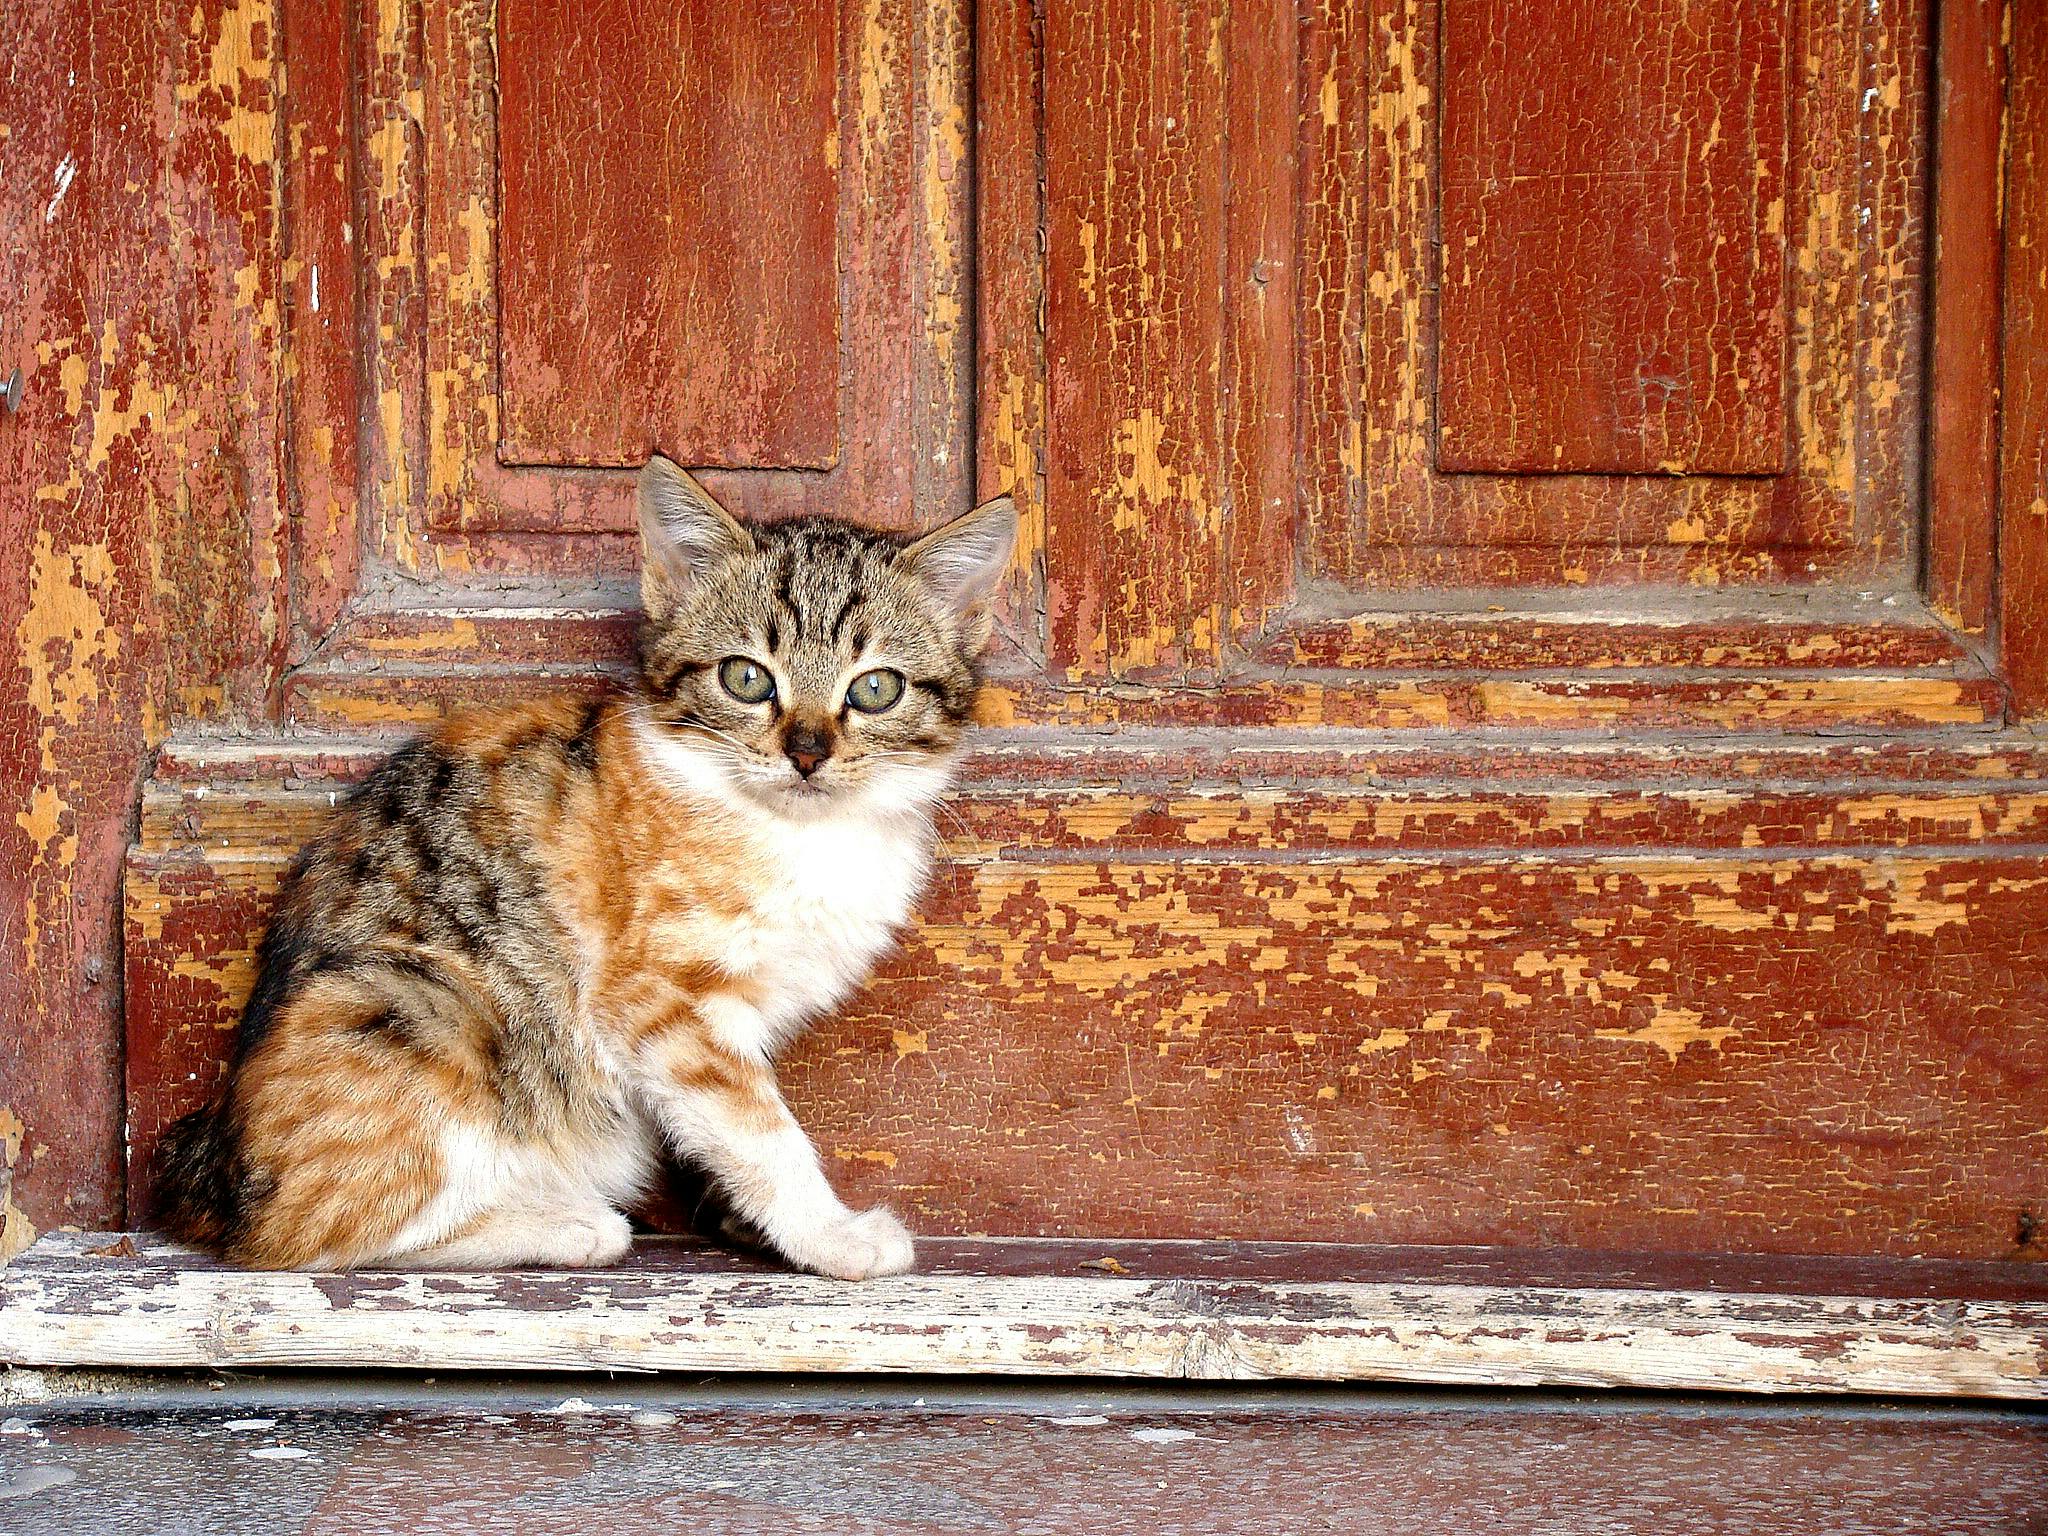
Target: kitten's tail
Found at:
x=197, y=1182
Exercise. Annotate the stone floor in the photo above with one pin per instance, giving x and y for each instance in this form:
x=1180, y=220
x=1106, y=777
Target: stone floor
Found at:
x=361, y=1456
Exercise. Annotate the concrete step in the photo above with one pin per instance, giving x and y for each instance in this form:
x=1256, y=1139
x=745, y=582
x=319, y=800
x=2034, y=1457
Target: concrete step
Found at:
x=574, y=1455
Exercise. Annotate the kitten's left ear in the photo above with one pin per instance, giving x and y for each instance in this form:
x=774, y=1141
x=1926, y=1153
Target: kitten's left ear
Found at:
x=684, y=533
x=961, y=561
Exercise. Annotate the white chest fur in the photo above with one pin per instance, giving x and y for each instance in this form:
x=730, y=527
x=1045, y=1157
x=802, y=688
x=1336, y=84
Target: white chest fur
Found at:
x=836, y=895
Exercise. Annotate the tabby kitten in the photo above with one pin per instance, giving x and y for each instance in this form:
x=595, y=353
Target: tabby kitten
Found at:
x=543, y=944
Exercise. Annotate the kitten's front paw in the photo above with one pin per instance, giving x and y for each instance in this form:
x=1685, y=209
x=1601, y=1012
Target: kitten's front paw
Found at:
x=859, y=1247
x=594, y=1241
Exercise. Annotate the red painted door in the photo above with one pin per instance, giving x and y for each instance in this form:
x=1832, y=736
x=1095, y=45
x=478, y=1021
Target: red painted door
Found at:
x=1498, y=732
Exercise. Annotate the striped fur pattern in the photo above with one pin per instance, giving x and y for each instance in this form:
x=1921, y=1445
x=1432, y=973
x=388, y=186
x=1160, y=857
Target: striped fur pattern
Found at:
x=542, y=948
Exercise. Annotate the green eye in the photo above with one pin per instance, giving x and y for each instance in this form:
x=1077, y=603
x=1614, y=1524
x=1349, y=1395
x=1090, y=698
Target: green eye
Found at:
x=747, y=681
x=873, y=692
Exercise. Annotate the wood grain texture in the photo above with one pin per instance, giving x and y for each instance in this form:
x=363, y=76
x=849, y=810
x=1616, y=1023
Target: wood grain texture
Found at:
x=1600, y=638
x=1699, y=667
x=1566, y=701
x=2023, y=524
x=1261, y=206
x=188, y=768
x=390, y=141
x=140, y=535
x=1579, y=631
x=1053, y=1309
x=1278, y=1001
x=1612, y=217
x=650, y=295
x=1212, y=798
x=341, y=697
x=1963, y=382
x=1009, y=283
x=1380, y=513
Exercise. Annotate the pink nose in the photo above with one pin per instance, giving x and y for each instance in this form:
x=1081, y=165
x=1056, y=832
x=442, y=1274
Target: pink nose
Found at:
x=806, y=761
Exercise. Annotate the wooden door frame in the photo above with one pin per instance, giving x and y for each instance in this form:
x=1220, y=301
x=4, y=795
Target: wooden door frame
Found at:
x=1987, y=558
x=1963, y=360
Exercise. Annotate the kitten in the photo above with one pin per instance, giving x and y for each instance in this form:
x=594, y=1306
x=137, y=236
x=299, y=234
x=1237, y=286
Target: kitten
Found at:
x=544, y=943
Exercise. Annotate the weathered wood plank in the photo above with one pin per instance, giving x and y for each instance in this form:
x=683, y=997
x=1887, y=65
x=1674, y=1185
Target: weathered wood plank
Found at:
x=1007, y=806
x=1135, y=306
x=923, y=1457
x=1380, y=513
x=1063, y=1309
x=323, y=408
x=1261, y=204
x=1009, y=282
x=405, y=693
x=1672, y=700
x=1656, y=634
x=1187, y=1010
x=1706, y=663
x=141, y=526
x=1488, y=632
x=1137, y=758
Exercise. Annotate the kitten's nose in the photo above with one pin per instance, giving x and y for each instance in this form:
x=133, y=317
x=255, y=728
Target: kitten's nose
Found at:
x=807, y=747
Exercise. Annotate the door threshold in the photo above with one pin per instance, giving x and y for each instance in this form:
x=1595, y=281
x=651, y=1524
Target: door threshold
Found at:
x=1075, y=1307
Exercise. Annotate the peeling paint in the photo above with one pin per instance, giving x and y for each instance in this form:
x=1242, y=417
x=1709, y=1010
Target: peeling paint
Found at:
x=16, y=1230
x=1673, y=1031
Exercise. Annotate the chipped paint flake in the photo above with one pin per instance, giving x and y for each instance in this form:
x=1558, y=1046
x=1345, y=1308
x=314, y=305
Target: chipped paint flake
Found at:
x=1674, y=1031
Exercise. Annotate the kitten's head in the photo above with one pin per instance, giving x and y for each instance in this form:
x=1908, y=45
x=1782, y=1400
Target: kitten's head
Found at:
x=810, y=664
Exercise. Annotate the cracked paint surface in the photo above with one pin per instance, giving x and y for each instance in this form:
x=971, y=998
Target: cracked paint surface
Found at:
x=848, y=398
x=1613, y=242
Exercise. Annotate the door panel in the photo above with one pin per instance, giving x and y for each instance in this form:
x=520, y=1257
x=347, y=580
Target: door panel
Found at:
x=1389, y=497
x=1613, y=218
x=668, y=254
x=1410, y=296
x=733, y=235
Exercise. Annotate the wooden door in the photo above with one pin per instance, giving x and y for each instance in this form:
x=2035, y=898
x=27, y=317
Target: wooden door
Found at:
x=1493, y=738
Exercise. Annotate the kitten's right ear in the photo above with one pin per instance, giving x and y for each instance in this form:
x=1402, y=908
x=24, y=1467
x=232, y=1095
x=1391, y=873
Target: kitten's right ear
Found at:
x=684, y=533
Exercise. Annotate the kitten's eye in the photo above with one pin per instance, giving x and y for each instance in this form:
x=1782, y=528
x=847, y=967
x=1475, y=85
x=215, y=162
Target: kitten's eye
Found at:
x=873, y=692
x=747, y=681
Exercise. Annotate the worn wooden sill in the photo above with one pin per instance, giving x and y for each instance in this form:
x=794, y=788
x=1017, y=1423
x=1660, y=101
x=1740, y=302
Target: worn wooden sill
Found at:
x=1307, y=1312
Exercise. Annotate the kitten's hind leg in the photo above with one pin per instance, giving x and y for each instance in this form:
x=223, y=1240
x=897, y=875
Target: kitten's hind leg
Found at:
x=580, y=1237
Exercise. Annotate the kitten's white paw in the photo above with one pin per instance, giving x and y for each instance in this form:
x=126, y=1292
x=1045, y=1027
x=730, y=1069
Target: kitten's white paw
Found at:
x=592, y=1241
x=859, y=1247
